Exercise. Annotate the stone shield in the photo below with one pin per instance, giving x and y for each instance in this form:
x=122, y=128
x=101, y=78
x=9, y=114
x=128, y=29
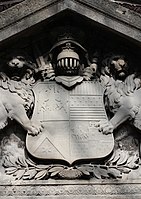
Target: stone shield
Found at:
x=68, y=117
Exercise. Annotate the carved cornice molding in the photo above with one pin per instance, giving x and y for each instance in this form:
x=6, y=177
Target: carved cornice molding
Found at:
x=132, y=2
x=5, y=4
x=29, y=13
x=134, y=5
x=113, y=10
x=101, y=190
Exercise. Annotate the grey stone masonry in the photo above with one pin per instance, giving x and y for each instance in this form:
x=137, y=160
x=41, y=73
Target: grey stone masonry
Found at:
x=28, y=13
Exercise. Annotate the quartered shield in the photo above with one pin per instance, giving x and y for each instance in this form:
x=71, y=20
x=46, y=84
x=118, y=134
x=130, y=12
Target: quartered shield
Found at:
x=68, y=117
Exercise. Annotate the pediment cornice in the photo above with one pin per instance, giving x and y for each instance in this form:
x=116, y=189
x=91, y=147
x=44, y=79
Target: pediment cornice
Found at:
x=29, y=13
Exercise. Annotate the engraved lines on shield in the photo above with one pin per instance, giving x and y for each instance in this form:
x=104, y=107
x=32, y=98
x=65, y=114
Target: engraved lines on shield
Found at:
x=87, y=107
x=69, y=117
x=52, y=108
x=52, y=103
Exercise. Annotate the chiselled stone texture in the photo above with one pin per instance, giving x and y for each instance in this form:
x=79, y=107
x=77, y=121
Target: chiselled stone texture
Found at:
x=134, y=5
x=73, y=189
x=136, y=8
x=29, y=13
x=69, y=110
x=5, y=4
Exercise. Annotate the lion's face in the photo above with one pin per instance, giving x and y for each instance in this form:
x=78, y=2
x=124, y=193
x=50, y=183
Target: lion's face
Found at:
x=119, y=67
x=17, y=62
x=17, y=66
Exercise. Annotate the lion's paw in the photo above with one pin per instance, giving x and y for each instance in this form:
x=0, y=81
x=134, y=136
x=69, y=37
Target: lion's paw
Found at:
x=35, y=128
x=3, y=124
x=104, y=126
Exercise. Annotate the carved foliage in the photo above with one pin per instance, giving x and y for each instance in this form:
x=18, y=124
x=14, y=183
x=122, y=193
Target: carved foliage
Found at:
x=121, y=162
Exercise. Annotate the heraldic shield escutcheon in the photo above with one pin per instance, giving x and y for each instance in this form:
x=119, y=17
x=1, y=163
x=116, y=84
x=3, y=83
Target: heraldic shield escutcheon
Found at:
x=68, y=117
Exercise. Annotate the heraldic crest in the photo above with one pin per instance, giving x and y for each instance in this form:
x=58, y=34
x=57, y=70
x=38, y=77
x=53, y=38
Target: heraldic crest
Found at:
x=69, y=103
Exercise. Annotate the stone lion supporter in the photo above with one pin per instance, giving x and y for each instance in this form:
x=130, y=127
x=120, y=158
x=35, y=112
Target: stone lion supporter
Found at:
x=16, y=96
x=122, y=94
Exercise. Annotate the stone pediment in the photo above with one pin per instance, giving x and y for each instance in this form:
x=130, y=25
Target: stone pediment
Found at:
x=64, y=111
x=28, y=14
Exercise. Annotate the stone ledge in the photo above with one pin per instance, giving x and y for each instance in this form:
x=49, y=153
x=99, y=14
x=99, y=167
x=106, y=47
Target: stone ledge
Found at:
x=30, y=13
x=73, y=197
x=114, y=10
x=71, y=189
x=23, y=10
x=107, y=15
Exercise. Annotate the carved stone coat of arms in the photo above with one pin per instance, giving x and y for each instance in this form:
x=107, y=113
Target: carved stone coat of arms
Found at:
x=68, y=117
x=69, y=108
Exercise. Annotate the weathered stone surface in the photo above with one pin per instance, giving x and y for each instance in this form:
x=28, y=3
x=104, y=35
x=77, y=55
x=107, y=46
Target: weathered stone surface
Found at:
x=73, y=189
x=73, y=113
x=6, y=4
x=123, y=165
x=29, y=13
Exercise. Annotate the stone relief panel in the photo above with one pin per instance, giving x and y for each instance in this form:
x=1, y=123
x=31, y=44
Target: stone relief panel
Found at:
x=69, y=114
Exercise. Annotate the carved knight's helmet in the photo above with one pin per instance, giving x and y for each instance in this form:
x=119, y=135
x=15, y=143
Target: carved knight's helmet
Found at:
x=68, y=61
x=66, y=56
